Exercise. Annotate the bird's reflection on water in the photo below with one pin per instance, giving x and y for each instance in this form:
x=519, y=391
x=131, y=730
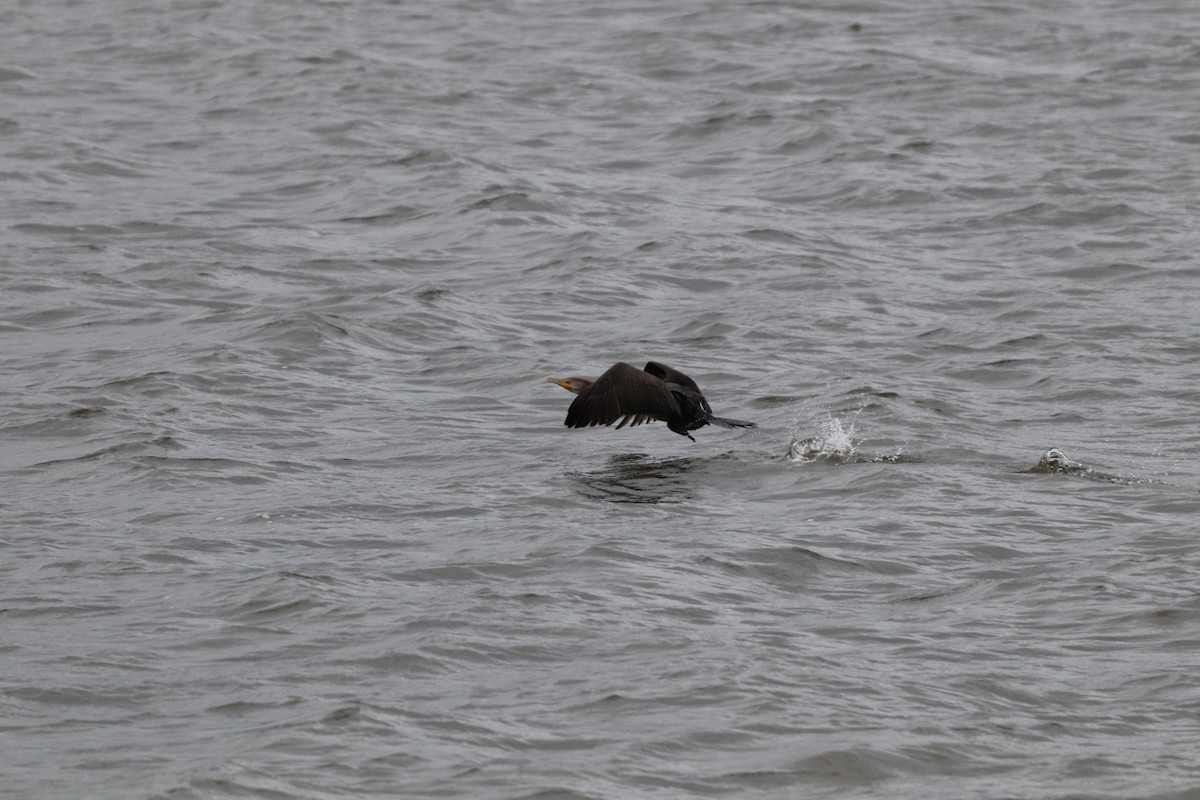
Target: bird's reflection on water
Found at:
x=638, y=478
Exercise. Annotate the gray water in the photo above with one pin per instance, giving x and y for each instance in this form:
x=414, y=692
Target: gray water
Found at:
x=288, y=509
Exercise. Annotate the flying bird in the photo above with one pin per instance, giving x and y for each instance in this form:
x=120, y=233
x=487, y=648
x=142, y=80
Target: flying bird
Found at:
x=636, y=395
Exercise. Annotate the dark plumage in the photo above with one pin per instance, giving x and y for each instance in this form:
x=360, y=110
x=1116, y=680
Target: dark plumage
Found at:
x=635, y=396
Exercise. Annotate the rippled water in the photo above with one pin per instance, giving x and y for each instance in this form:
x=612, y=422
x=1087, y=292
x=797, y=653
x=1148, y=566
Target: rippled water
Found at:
x=289, y=510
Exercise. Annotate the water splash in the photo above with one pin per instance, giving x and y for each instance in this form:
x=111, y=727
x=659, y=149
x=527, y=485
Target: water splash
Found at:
x=1056, y=461
x=834, y=442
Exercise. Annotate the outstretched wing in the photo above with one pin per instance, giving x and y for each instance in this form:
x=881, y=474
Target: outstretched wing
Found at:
x=665, y=373
x=622, y=391
x=674, y=376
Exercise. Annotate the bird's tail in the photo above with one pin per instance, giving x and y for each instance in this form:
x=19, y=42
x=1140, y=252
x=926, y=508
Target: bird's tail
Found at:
x=731, y=423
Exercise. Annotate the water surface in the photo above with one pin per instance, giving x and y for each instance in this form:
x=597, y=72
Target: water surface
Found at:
x=289, y=510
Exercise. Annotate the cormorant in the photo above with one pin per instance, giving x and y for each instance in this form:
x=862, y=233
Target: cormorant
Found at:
x=635, y=396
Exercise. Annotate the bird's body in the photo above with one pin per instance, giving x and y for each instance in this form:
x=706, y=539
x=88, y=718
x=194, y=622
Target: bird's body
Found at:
x=636, y=395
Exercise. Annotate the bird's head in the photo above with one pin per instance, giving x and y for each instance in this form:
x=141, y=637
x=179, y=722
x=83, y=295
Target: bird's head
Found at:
x=572, y=385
